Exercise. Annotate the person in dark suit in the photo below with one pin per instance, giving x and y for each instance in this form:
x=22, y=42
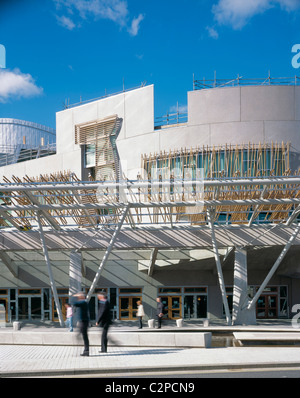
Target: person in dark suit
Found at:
x=83, y=319
x=159, y=312
x=103, y=319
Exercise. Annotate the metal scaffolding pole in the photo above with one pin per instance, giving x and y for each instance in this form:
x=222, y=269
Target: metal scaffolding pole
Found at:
x=52, y=282
x=274, y=268
x=145, y=184
x=106, y=254
x=219, y=267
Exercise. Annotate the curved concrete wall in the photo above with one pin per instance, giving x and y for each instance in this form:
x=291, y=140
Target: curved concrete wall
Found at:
x=239, y=115
x=231, y=115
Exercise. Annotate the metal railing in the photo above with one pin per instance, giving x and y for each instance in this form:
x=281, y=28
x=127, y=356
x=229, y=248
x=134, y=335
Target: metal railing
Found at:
x=241, y=81
x=17, y=154
x=170, y=119
x=67, y=104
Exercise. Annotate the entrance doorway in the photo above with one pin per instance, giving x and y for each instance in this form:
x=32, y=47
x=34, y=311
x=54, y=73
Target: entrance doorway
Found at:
x=172, y=306
x=128, y=298
x=29, y=304
x=62, y=302
x=128, y=307
x=195, y=306
x=3, y=304
x=267, y=307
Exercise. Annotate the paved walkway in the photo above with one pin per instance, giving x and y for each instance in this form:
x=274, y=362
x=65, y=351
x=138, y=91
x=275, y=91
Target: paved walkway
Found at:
x=16, y=361
x=32, y=360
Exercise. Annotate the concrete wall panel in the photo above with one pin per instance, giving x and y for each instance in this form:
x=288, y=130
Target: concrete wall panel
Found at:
x=267, y=103
x=214, y=106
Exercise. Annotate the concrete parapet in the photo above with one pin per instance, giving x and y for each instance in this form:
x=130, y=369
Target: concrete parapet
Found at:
x=259, y=338
x=126, y=339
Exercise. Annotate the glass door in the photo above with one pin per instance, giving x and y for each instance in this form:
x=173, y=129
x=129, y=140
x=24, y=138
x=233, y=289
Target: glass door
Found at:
x=62, y=302
x=23, y=308
x=189, y=307
x=195, y=306
x=36, y=307
x=172, y=306
x=201, y=306
x=266, y=307
x=3, y=310
x=128, y=307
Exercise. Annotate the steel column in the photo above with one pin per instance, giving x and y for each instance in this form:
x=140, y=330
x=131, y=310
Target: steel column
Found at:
x=107, y=253
x=219, y=267
x=52, y=282
x=274, y=268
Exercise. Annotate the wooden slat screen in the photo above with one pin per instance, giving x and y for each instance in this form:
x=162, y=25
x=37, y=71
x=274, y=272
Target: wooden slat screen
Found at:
x=99, y=133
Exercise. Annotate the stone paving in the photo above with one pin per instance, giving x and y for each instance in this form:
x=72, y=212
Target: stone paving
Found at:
x=18, y=360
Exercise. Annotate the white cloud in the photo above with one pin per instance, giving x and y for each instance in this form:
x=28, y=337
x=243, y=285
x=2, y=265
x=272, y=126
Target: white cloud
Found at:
x=114, y=10
x=135, y=25
x=66, y=22
x=289, y=5
x=14, y=84
x=212, y=32
x=179, y=109
x=237, y=13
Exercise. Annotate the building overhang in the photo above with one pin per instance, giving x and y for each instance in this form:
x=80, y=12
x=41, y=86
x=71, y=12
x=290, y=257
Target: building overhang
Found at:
x=174, y=204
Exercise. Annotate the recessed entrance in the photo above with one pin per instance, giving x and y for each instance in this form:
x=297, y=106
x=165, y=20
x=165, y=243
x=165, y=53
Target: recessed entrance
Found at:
x=267, y=307
x=128, y=307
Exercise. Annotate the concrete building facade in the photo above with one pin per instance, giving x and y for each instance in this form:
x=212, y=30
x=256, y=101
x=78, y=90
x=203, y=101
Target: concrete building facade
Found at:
x=231, y=132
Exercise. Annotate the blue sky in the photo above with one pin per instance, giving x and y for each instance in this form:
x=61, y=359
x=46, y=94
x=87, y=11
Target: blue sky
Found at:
x=58, y=50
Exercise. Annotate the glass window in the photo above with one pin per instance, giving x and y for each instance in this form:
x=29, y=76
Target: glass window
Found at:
x=62, y=291
x=100, y=290
x=12, y=294
x=170, y=290
x=195, y=290
x=130, y=290
x=46, y=299
x=89, y=155
x=283, y=291
x=29, y=291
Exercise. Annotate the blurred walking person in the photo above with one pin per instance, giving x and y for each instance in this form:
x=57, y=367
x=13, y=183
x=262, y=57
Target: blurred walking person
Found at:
x=83, y=319
x=140, y=313
x=69, y=316
x=103, y=319
x=159, y=312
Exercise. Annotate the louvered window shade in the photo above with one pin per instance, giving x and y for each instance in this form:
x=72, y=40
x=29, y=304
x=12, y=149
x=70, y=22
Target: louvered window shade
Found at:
x=86, y=133
x=98, y=138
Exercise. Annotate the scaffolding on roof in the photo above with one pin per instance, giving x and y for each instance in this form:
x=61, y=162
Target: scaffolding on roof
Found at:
x=242, y=81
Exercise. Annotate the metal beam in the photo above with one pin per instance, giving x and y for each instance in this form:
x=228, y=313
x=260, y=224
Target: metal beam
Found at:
x=145, y=184
x=120, y=205
x=292, y=217
x=274, y=268
x=255, y=213
x=45, y=214
x=6, y=216
x=52, y=282
x=219, y=267
x=106, y=254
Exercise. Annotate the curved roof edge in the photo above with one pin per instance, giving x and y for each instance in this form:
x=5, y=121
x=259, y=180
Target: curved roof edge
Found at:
x=27, y=124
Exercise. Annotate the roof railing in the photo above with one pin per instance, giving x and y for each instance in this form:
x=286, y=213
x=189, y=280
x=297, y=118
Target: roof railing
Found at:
x=241, y=81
